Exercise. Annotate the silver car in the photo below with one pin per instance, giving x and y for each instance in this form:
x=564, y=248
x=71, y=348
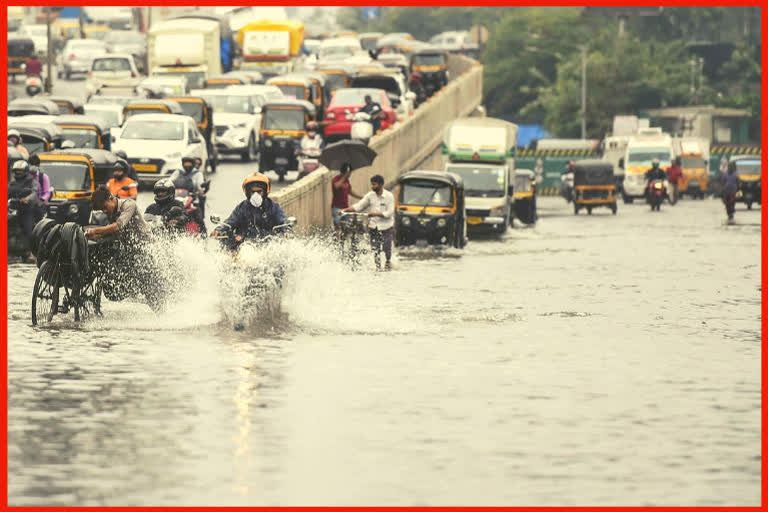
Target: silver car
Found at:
x=77, y=55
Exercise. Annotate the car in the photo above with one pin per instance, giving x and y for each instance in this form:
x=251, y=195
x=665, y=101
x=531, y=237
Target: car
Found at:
x=455, y=41
x=237, y=116
x=110, y=113
x=391, y=81
x=339, y=48
x=156, y=143
x=77, y=55
x=350, y=100
x=128, y=41
x=114, y=69
x=159, y=86
x=38, y=34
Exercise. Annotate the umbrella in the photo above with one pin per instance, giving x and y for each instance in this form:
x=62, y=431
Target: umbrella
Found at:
x=354, y=152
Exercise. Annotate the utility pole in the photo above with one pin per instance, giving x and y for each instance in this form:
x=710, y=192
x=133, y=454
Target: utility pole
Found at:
x=583, y=92
x=49, y=51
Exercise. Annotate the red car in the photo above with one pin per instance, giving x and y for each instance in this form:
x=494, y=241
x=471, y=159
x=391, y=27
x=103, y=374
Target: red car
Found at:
x=336, y=125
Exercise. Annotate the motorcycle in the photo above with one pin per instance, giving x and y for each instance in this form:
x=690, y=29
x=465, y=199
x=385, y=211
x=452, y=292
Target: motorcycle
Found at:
x=309, y=160
x=566, y=187
x=18, y=245
x=657, y=191
x=362, y=127
x=191, y=218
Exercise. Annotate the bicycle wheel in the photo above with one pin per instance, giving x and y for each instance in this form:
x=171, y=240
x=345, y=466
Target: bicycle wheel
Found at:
x=88, y=301
x=45, y=294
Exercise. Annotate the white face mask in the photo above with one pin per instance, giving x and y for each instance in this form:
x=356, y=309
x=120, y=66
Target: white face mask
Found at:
x=256, y=199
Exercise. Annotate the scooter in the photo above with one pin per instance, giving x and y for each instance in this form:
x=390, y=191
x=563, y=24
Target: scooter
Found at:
x=362, y=127
x=309, y=160
x=657, y=191
x=566, y=188
x=192, y=215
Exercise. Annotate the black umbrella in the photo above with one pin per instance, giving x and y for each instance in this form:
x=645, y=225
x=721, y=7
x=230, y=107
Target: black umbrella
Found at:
x=353, y=152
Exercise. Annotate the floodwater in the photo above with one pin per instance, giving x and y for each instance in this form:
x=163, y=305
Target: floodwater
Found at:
x=602, y=360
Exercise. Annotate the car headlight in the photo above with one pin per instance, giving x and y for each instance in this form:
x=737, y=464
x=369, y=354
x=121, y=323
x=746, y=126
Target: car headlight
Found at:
x=173, y=155
x=441, y=223
x=73, y=209
x=268, y=143
x=497, y=212
x=406, y=221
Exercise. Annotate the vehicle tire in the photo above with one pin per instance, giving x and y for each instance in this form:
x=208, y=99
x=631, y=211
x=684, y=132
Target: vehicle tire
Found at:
x=627, y=199
x=749, y=205
x=45, y=294
x=250, y=152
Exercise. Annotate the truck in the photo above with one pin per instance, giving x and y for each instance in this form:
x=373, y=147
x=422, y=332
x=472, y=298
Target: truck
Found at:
x=481, y=151
x=189, y=47
x=648, y=144
x=270, y=46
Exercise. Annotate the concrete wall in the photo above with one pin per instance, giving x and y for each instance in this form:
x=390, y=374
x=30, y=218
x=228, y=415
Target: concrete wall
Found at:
x=414, y=143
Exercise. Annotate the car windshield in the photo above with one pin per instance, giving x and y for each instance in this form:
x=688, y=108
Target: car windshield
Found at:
x=481, y=181
x=691, y=162
x=423, y=192
x=82, y=137
x=428, y=60
x=350, y=96
x=110, y=117
x=195, y=79
x=33, y=144
x=646, y=156
x=230, y=104
x=292, y=91
x=153, y=130
x=67, y=175
x=748, y=166
x=111, y=65
x=125, y=37
x=193, y=110
x=283, y=119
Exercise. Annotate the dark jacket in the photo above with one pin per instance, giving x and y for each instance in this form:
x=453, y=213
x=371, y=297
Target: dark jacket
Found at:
x=655, y=174
x=163, y=209
x=252, y=222
x=730, y=183
x=24, y=189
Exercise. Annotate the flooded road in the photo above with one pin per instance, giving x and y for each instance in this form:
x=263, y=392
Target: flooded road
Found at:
x=602, y=360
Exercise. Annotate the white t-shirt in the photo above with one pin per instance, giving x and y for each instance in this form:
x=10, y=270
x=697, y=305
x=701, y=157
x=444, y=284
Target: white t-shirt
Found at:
x=374, y=203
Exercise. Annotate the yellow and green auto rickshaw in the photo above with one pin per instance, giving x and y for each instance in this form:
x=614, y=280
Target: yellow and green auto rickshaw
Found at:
x=294, y=86
x=593, y=186
x=283, y=124
x=85, y=131
x=430, y=210
x=201, y=111
x=74, y=175
x=748, y=170
x=153, y=106
x=431, y=64
x=524, y=189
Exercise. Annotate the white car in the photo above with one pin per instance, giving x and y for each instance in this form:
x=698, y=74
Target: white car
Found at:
x=455, y=41
x=156, y=143
x=77, y=55
x=110, y=113
x=339, y=48
x=112, y=70
x=38, y=34
x=168, y=85
x=237, y=116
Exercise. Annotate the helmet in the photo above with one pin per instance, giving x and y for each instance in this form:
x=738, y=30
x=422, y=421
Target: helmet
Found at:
x=67, y=144
x=164, y=190
x=14, y=133
x=20, y=168
x=34, y=159
x=122, y=154
x=655, y=162
x=120, y=164
x=255, y=177
x=189, y=159
x=312, y=126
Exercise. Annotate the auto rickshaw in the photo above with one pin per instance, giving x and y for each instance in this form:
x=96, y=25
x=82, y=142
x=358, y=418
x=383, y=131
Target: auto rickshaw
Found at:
x=224, y=81
x=74, y=175
x=155, y=106
x=67, y=104
x=337, y=75
x=32, y=106
x=85, y=131
x=20, y=49
x=593, y=186
x=432, y=64
x=320, y=95
x=525, y=196
x=283, y=124
x=748, y=170
x=695, y=179
x=294, y=86
x=254, y=77
x=202, y=112
x=96, y=31
x=429, y=209
x=38, y=137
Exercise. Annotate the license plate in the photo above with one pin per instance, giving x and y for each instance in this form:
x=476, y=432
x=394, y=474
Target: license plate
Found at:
x=421, y=243
x=281, y=160
x=474, y=220
x=145, y=167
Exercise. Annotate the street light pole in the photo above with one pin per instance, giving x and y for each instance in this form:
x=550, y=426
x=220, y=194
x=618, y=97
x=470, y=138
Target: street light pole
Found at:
x=583, y=92
x=49, y=51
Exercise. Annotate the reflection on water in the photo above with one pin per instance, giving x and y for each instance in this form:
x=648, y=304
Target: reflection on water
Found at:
x=589, y=360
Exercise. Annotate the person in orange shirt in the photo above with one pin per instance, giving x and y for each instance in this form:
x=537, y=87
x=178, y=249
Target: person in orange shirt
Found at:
x=120, y=185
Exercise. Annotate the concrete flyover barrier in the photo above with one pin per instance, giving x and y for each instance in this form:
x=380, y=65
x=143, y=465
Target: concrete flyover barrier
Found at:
x=404, y=147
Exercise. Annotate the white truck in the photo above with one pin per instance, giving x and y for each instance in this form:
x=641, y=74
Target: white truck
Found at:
x=648, y=144
x=186, y=47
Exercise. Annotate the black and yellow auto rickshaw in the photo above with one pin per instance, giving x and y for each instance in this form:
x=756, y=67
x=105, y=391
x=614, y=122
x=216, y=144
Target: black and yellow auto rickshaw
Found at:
x=432, y=65
x=151, y=106
x=593, y=186
x=337, y=75
x=224, y=81
x=283, y=124
x=321, y=96
x=748, y=170
x=67, y=104
x=294, y=86
x=202, y=112
x=38, y=137
x=74, y=175
x=32, y=106
x=85, y=131
x=525, y=196
x=20, y=49
x=430, y=210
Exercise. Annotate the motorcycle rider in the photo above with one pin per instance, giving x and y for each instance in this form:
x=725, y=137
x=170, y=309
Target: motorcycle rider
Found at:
x=43, y=182
x=730, y=187
x=565, y=187
x=255, y=216
x=24, y=188
x=120, y=184
x=190, y=178
x=374, y=110
x=655, y=172
x=14, y=139
x=121, y=154
x=312, y=140
x=166, y=205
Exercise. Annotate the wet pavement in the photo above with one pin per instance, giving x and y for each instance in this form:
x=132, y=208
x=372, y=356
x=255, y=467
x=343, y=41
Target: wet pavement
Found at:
x=591, y=360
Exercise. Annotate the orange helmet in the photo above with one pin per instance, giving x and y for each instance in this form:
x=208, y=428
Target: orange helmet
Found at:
x=255, y=177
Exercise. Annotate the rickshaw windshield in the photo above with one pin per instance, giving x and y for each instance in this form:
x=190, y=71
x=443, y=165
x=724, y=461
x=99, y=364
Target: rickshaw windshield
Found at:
x=428, y=60
x=67, y=175
x=522, y=184
x=418, y=192
x=33, y=144
x=748, y=166
x=193, y=110
x=481, y=181
x=292, y=91
x=82, y=137
x=284, y=119
x=690, y=162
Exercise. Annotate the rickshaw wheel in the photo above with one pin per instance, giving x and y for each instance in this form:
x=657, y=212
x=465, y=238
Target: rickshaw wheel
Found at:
x=45, y=294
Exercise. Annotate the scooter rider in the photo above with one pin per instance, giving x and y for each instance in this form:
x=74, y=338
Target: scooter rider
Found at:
x=121, y=154
x=120, y=184
x=24, y=188
x=190, y=178
x=255, y=216
x=14, y=138
x=166, y=205
x=655, y=172
x=374, y=110
x=312, y=140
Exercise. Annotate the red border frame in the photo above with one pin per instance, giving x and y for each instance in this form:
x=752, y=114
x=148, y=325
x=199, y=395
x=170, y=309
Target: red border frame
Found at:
x=413, y=3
